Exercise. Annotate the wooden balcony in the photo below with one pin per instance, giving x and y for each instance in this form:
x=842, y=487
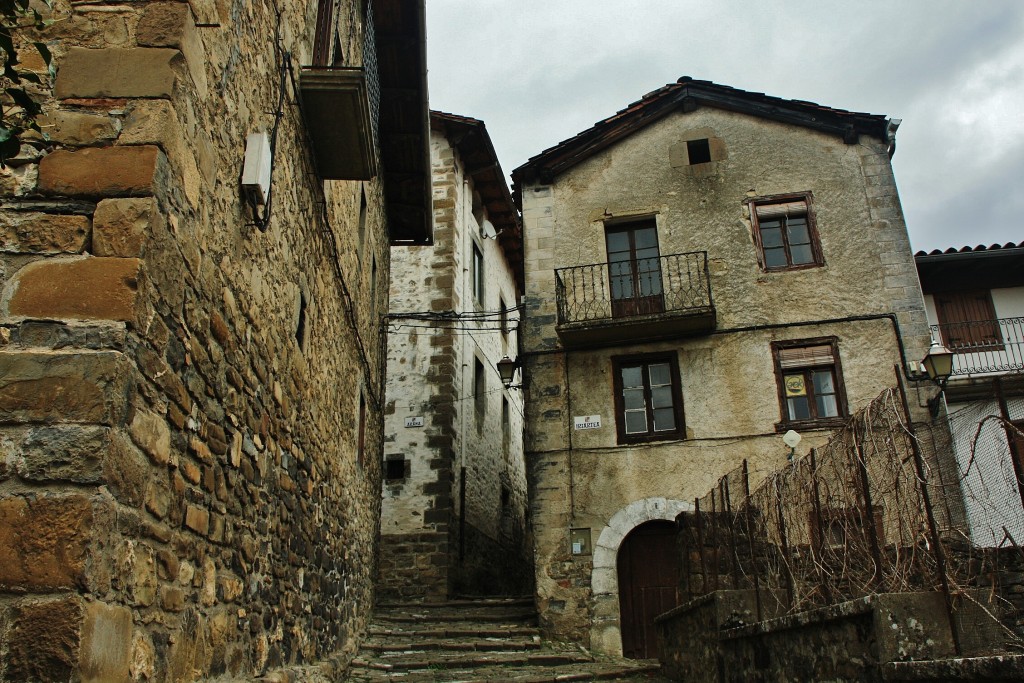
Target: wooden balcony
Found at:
x=642, y=300
x=984, y=347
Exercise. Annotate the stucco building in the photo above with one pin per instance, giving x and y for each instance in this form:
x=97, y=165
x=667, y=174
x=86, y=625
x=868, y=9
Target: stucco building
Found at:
x=192, y=368
x=974, y=297
x=454, y=510
x=705, y=270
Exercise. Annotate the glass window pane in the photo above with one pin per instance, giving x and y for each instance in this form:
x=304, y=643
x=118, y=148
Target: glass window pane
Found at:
x=633, y=399
x=799, y=408
x=661, y=397
x=664, y=419
x=775, y=258
x=632, y=376
x=823, y=382
x=798, y=232
x=803, y=254
x=636, y=422
x=659, y=374
x=771, y=237
x=618, y=242
x=622, y=287
x=646, y=238
x=827, y=405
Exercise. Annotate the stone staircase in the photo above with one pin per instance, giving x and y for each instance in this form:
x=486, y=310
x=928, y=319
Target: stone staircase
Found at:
x=494, y=639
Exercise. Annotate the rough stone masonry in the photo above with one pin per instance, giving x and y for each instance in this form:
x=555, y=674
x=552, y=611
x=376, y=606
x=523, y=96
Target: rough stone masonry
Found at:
x=185, y=487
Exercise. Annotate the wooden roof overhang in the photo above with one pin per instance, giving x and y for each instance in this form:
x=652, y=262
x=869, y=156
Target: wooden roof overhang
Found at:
x=970, y=268
x=404, y=119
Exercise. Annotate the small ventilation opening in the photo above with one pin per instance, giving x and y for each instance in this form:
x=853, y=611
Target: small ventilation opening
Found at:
x=698, y=151
x=394, y=470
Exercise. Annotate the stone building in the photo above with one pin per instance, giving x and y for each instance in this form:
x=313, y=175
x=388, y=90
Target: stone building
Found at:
x=191, y=370
x=974, y=297
x=454, y=511
x=706, y=270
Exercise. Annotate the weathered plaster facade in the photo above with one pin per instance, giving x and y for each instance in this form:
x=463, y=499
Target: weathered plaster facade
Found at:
x=633, y=166
x=190, y=408
x=454, y=511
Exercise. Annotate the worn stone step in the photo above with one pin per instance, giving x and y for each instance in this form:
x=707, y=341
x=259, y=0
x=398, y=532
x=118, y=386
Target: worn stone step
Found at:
x=440, y=661
x=467, y=614
x=506, y=601
x=639, y=672
x=452, y=644
x=482, y=630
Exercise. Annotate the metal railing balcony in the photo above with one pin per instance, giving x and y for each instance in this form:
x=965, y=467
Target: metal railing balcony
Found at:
x=641, y=298
x=984, y=346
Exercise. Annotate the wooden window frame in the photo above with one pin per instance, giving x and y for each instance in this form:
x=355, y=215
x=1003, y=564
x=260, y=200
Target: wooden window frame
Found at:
x=786, y=423
x=812, y=230
x=479, y=391
x=477, y=274
x=619, y=362
x=506, y=429
x=988, y=335
x=503, y=320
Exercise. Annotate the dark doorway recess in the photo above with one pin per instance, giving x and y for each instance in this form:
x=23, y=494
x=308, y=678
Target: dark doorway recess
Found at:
x=648, y=567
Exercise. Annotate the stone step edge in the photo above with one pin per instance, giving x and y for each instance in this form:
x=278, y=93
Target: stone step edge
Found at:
x=470, y=663
x=439, y=618
x=510, y=632
x=483, y=602
x=450, y=646
x=614, y=673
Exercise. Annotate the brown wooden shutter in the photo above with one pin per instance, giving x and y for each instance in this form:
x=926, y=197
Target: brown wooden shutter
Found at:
x=968, y=320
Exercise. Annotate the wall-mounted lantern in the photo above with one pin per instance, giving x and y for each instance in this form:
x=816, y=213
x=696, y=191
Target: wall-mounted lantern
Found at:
x=938, y=364
x=507, y=370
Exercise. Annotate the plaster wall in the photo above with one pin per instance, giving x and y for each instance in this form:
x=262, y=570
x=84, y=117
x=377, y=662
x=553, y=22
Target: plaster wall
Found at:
x=583, y=478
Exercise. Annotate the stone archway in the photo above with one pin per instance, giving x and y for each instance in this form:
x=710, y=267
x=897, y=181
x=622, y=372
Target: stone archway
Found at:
x=605, y=631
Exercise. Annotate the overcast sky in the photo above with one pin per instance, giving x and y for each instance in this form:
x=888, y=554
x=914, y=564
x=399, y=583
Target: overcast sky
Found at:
x=540, y=71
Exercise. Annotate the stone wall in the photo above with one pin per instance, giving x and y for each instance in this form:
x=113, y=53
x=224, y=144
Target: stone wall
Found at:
x=182, y=491
x=716, y=638
x=458, y=512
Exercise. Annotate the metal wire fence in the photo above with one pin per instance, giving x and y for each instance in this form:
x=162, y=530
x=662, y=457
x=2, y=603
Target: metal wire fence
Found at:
x=884, y=506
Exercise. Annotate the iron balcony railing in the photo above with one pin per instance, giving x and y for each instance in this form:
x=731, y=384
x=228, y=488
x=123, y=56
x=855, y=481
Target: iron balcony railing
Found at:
x=984, y=346
x=671, y=284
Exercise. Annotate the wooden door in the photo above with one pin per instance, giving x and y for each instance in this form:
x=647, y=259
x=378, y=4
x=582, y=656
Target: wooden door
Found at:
x=648, y=567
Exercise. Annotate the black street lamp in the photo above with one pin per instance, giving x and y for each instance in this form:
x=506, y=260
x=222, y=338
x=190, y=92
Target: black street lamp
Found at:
x=507, y=370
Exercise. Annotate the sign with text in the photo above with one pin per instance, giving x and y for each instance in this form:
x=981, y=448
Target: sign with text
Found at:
x=414, y=421
x=587, y=421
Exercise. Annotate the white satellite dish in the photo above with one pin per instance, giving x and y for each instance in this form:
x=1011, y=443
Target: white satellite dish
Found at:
x=487, y=230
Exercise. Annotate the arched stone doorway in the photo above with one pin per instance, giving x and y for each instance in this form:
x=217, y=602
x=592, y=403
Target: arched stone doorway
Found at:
x=605, y=630
x=648, y=568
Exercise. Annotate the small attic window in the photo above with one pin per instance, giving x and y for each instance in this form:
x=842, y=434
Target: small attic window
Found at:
x=698, y=151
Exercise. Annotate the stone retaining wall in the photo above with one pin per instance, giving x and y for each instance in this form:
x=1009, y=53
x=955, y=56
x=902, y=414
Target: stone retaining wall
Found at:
x=718, y=638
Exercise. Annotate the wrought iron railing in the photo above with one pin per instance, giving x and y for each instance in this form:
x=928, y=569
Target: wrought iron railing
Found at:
x=984, y=346
x=671, y=284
